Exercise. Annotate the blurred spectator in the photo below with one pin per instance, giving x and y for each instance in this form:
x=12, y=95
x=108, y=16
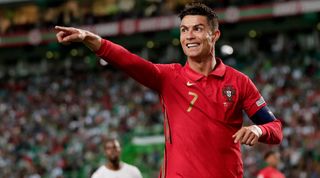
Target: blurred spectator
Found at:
x=43, y=14
x=114, y=167
x=272, y=160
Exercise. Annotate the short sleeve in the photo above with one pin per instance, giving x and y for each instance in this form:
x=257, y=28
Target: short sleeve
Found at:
x=252, y=100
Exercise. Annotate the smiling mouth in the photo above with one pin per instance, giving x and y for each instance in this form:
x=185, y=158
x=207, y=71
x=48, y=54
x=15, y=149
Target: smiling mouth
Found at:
x=192, y=45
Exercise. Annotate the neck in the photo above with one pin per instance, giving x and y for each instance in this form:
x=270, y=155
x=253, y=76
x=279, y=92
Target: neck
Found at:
x=113, y=165
x=203, y=66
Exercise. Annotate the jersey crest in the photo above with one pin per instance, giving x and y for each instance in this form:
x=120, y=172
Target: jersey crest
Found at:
x=229, y=91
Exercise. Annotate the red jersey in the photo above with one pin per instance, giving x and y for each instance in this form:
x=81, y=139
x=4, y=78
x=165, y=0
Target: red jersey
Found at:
x=270, y=172
x=201, y=113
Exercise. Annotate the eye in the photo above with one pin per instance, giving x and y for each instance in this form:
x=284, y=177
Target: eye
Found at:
x=183, y=30
x=198, y=29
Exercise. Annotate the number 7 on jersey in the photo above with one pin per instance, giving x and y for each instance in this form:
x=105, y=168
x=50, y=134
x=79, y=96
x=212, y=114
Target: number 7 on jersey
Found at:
x=195, y=97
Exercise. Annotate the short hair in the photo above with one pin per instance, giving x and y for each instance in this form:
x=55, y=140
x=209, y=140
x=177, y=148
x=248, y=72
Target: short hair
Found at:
x=107, y=140
x=197, y=8
x=269, y=153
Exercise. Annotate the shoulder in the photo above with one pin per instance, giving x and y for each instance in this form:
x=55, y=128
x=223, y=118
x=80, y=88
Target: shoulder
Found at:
x=235, y=73
x=238, y=78
x=169, y=70
x=269, y=172
x=131, y=168
x=263, y=173
x=101, y=168
x=100, y=171
x=172, y=66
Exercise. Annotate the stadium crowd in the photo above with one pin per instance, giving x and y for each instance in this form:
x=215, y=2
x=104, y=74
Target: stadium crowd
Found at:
x=42, y=14
x=54, y=122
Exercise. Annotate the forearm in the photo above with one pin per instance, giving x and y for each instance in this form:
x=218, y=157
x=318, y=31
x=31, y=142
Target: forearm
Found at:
x=138, y=68
x=270, y=126
x=92, y=41
x=271, y=132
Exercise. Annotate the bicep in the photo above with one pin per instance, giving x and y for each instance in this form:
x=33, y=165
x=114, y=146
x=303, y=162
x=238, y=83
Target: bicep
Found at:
x=263, y=116
x=255, y=106
x=252, y=101
x=145, y=72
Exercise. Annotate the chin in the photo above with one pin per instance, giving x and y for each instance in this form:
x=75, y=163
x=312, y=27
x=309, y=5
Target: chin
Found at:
x=190, y=55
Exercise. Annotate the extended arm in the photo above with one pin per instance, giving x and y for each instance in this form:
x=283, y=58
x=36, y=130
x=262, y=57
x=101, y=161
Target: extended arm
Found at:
x=141, y=70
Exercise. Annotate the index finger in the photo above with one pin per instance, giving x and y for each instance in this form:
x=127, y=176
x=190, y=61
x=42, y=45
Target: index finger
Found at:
x=65, y=29
x=238, y=135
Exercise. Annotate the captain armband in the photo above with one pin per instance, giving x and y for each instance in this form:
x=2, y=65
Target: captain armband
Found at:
x=263, y=116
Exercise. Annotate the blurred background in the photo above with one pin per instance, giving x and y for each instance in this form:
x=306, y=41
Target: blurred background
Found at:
x=58, y=103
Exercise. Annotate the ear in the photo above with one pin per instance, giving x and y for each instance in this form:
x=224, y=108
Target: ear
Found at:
x=215, y=36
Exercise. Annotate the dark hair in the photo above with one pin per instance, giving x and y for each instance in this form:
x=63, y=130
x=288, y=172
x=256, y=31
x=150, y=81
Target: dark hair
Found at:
x=110, y=139
x=197, y=8
x=269, y=153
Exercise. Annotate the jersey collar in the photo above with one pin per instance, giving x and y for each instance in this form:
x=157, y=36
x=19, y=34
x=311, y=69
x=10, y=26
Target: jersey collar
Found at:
x=218, y=71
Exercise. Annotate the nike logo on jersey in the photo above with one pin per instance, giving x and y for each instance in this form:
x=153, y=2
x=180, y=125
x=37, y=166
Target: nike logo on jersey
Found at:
x=189, y=84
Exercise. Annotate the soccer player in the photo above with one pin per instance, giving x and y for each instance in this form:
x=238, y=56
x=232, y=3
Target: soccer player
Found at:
x=114, y=167
x=202, y=100
x=272, y=160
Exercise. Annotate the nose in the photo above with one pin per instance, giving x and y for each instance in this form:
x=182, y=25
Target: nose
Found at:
x=189, y=35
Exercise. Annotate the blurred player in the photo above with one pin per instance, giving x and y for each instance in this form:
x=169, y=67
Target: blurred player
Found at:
x=202, y=100
x=272, y=160
x=115, y=168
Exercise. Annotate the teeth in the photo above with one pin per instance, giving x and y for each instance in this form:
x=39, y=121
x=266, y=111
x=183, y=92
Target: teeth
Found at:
x=192, y=45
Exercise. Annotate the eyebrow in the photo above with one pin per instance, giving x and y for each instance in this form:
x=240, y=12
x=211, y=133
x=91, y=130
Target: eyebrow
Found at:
x=200, y=24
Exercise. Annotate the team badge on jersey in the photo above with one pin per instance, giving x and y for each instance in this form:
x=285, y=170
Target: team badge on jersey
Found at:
x=229, y=91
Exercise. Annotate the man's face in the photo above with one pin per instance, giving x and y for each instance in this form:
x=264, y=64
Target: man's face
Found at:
x=112, y=150
x=274, y=160
x=196, y=36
